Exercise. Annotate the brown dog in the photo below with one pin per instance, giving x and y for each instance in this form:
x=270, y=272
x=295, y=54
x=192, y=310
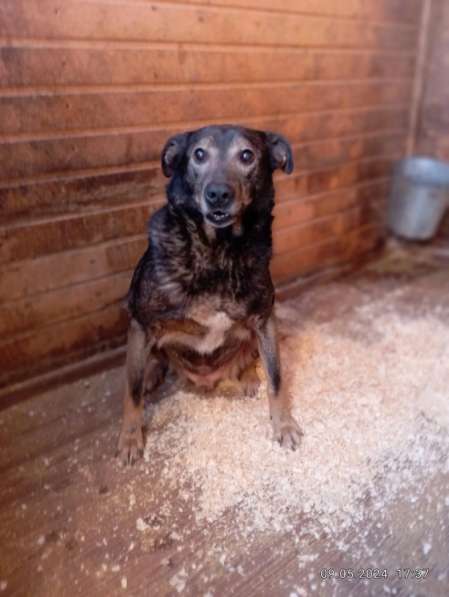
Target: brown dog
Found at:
x=201, y=298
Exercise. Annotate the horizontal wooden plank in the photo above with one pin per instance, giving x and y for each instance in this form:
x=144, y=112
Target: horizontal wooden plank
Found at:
x=294, y=265
x=56, y=68
x=357, y=243
x=50, y=19
x=381, y=10
x=332, y=152
x=63, y=343
x=37, y=115
x=22, y=160
x=310, y=233
x=353, y=244
x=38, y=311
x=297, y=236
x=301, y=210
x=345, y=175
x=51, y=236
x=32, y=277
x=33, y=239
x=85, y=193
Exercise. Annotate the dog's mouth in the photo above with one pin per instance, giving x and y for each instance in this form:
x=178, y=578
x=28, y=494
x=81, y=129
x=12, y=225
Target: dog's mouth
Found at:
x=219, y=218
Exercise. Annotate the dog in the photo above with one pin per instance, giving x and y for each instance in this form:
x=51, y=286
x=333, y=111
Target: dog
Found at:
x=201, y=297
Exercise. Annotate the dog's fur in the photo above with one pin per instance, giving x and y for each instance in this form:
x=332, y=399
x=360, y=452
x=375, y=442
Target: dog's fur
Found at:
x=201, y=298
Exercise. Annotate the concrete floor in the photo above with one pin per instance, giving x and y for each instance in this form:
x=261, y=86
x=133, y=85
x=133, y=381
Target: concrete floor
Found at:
x=72, y=522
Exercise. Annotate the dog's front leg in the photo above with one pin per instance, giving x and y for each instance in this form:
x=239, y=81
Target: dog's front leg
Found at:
x=130, y=445
x=286, y=430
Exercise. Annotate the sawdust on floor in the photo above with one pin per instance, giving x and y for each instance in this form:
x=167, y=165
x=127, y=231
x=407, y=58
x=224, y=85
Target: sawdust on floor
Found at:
x=371, y=393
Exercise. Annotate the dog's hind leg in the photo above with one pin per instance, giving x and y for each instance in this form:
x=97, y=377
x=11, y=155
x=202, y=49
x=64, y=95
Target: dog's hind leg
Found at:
x=286, y=430
x=249, y=381
x=130, y=445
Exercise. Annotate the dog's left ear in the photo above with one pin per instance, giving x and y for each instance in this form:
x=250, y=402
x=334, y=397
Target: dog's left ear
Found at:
x=280, y=152
x=173, y=152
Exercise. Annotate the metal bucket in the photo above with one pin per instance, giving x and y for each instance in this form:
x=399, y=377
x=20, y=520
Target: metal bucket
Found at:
x=419, y=198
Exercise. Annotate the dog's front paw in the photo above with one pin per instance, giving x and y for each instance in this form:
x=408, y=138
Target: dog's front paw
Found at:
x=130, y=445
x=287, y=431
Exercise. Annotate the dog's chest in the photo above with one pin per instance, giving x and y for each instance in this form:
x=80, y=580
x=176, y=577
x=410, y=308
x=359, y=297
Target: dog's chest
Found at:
x=221, y=269
x=205, y=328
x=216, y=327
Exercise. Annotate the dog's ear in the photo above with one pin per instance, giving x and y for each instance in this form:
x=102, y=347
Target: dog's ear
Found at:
x=173, y=152
x=281, y=154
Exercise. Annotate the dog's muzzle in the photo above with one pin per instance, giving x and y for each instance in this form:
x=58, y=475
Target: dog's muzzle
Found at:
x=219, y=199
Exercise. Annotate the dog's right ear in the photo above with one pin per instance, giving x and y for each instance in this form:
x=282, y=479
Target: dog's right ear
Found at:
x=173, y=153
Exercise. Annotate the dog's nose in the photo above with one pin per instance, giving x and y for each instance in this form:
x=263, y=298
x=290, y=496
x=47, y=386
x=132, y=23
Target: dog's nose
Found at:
x=219, y=194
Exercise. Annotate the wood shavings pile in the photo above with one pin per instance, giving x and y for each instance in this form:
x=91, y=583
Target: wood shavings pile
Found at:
x=371, y=393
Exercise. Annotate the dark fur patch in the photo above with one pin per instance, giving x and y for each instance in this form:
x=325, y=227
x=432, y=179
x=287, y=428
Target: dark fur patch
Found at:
x=276, y=380
x=136, y=389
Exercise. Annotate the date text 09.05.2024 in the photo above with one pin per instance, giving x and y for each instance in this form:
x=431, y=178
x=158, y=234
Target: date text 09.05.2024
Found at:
x=374, y=573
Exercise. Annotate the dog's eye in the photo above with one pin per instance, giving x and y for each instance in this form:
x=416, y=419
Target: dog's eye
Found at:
x=200, y=154
x=247, y=156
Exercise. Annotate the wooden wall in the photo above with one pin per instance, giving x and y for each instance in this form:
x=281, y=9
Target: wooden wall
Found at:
x=433, y=125
x=91, y=89
x=432, y=131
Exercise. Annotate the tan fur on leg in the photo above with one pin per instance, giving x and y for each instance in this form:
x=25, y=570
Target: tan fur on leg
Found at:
x=130, y=445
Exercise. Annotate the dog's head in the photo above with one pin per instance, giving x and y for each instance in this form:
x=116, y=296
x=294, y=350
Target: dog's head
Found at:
x=218, y=171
